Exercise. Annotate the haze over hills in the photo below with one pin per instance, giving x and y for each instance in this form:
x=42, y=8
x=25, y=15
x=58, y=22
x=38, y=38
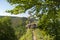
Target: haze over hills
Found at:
x=19, y=15
x=16, y=20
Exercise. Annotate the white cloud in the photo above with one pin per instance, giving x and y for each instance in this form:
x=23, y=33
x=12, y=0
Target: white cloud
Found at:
x=3, y=13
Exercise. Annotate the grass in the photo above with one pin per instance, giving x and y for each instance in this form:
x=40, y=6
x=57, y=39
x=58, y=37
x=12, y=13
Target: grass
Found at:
x=40, y=35
x=27, y=36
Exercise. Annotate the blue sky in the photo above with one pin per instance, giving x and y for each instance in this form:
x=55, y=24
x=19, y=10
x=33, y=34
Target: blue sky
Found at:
x=4, y=5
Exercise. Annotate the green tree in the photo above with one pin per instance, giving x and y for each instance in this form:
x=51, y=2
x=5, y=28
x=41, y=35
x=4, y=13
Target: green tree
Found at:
x=38, y=5
x=21, y=29
x=46, y=10
x=6, y=31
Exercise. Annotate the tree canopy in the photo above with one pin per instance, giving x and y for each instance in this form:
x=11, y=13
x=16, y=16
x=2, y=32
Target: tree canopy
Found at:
x=37, y=6
x=47, y=11
x=6, y=31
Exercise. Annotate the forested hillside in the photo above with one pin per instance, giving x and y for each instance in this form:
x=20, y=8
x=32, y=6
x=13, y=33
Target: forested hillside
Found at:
x=17, y=23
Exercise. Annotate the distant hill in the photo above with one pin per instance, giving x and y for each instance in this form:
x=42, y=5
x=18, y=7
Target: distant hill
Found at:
x=16, y=20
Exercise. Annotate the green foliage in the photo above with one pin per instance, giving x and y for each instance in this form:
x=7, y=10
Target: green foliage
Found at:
x=47, y=10
x=50, y=24
x=27, y=36
x=38, y=5
x=42, y=35
x=6, y=31
x=39, y=34
x=20, y=29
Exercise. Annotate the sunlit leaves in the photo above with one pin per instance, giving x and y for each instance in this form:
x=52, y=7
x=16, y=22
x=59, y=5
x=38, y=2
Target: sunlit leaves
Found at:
x=31, y=3
x=49, y=16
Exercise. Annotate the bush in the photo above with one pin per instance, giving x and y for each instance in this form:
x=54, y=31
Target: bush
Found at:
x=6, y=31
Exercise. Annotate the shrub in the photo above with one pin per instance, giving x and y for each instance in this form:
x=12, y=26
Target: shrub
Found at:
x=6, y=31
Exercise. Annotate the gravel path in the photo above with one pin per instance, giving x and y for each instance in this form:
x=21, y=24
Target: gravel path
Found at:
x=33, y=35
